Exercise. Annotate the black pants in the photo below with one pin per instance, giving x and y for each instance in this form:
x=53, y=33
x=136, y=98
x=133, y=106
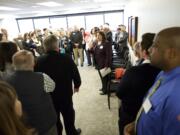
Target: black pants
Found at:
x=124, y=119
x=104, y=81
x=68, y=114
x=89, y=56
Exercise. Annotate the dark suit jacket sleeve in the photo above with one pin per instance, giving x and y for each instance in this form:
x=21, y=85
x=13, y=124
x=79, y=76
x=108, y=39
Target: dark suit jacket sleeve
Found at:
x=80, y=38
x=75, y=75
x=108, y=54
x=125, y=85
x=109, y=37
x=37, y=67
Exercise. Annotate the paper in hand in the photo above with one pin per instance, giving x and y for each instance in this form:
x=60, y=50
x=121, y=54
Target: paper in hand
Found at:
x=105, y=71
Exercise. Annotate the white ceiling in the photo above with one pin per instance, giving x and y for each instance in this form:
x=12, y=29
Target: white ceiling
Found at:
x=29, y=8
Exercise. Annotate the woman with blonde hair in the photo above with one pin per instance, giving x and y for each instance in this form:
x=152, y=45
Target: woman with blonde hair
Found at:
x=137, y=53
x=3, y=35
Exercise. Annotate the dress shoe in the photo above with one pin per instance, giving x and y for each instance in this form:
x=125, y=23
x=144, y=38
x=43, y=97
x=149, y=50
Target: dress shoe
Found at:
x=102, y=93
x=78, y=130
x=89, y=64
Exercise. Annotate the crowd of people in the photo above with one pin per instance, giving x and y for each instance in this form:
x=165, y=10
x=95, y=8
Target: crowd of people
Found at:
x=39, y=74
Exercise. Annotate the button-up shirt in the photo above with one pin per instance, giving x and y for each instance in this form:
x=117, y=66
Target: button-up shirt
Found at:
x=163, y=118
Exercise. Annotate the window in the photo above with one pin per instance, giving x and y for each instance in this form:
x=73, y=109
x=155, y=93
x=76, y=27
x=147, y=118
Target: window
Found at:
x=76, y=20
x=85, y=20
x=94, y=21
x=25, y=25
x=58, y=23
x=41, y=23
x=114, y=19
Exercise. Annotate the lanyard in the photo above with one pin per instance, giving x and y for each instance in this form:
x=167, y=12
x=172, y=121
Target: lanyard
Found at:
x=156, y=86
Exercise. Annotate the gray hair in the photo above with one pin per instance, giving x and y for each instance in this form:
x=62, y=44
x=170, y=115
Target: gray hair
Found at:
x=51, y=43
x=23, y=60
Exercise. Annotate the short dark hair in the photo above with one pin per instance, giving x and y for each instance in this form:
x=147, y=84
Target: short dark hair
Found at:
x=44, y=29
x=7, y=50
x=106, y=23
x=82, y=29
x=147, y=41
x=96, y=29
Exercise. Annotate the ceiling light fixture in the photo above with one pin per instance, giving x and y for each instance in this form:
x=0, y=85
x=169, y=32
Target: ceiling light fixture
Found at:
x=35, y=6
x=84, y=1
x=8, y=8
x=102, y=0
x=50, y=4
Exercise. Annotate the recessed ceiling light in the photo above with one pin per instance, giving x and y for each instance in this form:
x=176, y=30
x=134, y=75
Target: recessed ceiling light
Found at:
x=8, y=8
x=35, y=6
x=81, y=1
x=84, y=1
x=102, y=0
x=45, y=13
x=50, y=4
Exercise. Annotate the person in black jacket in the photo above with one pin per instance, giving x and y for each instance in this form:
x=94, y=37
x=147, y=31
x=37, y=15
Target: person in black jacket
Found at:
x=122, y=41
x=108, y=33
x=62, y=69
x=135, y=83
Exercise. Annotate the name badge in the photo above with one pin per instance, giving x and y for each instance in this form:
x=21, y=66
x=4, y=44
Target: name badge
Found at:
x=147, y=105
x=101, y=47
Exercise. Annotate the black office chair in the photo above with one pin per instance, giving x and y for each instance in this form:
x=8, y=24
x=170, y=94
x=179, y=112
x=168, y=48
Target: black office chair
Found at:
x=112, y=86
x=117, y=62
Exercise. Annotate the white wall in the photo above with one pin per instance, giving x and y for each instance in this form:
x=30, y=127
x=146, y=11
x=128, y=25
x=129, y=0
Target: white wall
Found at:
x=153, y=15
x=10, y=24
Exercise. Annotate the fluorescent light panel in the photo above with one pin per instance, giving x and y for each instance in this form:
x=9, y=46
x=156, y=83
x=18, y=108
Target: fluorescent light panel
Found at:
x=8, y=8
x=40, y=13
x=102, y=0
x=50, y=4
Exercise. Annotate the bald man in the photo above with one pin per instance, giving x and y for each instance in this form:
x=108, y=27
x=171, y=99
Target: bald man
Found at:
x=160, y=113
x=31, y=89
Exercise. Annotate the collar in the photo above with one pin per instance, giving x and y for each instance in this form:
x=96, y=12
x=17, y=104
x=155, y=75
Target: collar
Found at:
x=145, y=61
x=169, y=75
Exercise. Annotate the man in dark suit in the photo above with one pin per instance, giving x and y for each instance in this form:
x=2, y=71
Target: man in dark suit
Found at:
x=63, y=71
x=135, y=84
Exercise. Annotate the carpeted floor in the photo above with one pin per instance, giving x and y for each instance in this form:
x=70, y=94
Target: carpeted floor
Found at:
x=92, y=113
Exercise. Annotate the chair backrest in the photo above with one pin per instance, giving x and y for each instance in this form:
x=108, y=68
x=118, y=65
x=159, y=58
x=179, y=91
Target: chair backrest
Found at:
x=119, y=72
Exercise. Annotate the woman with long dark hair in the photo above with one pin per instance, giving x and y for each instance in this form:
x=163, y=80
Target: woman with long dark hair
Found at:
x=103, y=58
